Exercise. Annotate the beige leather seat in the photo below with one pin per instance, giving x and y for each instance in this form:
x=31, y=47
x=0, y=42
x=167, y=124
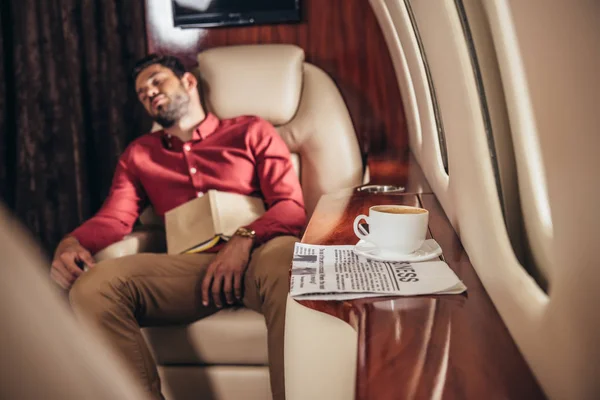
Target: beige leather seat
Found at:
x=45, y=353
x=225, y=356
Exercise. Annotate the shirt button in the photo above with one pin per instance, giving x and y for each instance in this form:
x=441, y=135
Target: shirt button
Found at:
x=199, y=194
x=193, y=170
x=187, y=147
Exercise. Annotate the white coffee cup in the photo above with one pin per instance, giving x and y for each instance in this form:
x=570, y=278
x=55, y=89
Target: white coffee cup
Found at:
x=401, y=229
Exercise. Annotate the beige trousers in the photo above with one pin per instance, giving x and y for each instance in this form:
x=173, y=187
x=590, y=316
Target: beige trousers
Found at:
x=121, y=295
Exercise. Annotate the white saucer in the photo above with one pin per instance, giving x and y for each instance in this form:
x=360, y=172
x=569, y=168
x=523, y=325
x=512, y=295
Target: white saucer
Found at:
x=428, y=251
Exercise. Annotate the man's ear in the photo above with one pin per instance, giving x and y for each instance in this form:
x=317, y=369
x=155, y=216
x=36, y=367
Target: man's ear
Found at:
x=189, y=81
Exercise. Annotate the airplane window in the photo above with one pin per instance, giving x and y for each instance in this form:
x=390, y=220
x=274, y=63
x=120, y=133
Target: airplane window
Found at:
x=435, y=106
x=482, y=99
x=499, y=138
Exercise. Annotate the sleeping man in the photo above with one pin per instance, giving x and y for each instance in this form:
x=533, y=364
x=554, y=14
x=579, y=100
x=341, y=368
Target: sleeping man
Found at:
x=194, y=152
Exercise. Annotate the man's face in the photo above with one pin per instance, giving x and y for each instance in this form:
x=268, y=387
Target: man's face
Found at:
x=163, y=95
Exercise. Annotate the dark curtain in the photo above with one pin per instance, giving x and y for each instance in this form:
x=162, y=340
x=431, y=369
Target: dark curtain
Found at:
x=67, y=108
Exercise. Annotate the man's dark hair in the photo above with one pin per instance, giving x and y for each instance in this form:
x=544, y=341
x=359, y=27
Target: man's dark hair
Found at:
x=170, y=62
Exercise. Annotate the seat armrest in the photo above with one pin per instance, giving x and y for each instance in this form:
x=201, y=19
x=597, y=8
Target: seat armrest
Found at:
x=149, y=240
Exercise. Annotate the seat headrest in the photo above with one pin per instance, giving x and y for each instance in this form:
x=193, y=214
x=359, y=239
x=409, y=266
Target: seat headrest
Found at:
x=263, y=80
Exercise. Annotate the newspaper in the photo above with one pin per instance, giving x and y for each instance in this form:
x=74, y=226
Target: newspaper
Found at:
x=337, y=273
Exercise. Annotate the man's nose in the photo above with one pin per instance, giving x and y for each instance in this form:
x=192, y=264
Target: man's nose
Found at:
x=151, y=92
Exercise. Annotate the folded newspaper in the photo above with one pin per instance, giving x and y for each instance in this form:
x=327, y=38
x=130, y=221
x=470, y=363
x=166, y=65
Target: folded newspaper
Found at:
x=337, y=273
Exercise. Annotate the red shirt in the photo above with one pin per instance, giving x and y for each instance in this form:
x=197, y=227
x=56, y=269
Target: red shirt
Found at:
x=243, y=155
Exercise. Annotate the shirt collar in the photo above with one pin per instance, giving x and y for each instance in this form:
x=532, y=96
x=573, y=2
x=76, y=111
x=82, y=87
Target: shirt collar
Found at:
x=207, y=127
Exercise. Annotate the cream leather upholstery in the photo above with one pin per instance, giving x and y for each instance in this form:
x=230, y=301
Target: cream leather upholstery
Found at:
x=150, y=240
x=45, y=353
x=217, y=339
x=252, y=80
x=546, y=90
x=320, y=355
x=215, y=382
x=274, y=82
x=225, y=355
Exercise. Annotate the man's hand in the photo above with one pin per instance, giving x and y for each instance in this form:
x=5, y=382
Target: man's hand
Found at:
x=64, y=269
x=225, y=274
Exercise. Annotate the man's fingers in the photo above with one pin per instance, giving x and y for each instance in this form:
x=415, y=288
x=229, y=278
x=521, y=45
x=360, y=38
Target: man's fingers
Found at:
x=87, y=258
x=217, y=288
x=206, y=283
x=59, y=279
x=228, y=288
x=56, y=277
x=68, y=260
x=62, y=269
x=237, y=286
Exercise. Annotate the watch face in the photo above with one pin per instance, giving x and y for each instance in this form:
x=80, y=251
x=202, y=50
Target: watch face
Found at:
x=245, y=232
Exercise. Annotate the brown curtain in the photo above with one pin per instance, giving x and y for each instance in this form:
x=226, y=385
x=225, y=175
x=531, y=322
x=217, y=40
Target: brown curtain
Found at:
x=67, y=110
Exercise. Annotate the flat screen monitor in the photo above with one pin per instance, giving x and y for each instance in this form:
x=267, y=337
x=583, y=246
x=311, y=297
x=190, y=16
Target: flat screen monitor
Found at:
x=213, y=13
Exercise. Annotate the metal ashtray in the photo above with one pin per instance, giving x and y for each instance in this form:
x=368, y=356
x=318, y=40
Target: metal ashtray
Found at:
x=381, y=189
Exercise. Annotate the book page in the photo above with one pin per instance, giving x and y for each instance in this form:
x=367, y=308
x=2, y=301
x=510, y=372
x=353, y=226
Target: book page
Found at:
x=232, y=210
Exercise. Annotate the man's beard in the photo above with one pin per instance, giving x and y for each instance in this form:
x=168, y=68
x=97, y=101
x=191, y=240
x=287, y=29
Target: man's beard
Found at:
x=171, y=112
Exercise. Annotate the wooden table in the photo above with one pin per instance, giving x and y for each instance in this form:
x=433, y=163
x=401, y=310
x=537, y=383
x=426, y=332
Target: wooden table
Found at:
x=449, y=346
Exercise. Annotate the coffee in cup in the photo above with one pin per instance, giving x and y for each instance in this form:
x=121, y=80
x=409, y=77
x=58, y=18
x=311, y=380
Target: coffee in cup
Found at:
x=400, y=229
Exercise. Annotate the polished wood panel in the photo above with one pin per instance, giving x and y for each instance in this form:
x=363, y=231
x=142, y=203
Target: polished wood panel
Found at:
x=399, y=171
x=340, y=36
x=450, y=347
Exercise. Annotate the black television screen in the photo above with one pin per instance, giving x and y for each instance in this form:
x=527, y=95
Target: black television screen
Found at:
x=211, y=13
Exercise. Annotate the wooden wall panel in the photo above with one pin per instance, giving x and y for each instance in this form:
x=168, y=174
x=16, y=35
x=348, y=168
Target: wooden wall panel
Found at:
x=340, y=36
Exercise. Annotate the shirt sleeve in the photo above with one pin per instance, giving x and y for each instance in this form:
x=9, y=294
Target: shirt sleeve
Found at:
x=279, y=184
x=118, y=213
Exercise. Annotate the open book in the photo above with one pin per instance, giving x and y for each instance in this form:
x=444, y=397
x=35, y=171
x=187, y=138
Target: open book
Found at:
x=337, y=273
x=203, y=222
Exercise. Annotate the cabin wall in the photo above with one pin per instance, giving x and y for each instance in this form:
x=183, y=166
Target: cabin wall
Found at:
x=515, y=83
x=343, y=40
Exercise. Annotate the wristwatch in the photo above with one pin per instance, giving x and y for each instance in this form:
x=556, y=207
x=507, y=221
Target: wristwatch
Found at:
x=245, y=232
